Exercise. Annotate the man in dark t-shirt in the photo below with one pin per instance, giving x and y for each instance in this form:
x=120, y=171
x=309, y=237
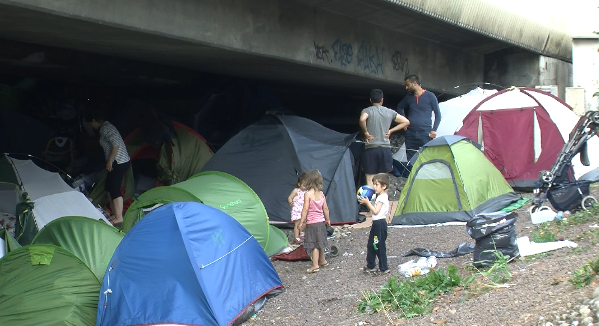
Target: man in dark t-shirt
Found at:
x=418, y=106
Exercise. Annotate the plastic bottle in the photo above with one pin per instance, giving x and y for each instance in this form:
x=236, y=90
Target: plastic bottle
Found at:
x=431, y=262
x=567, y=214
x=559, y=215
x=422, y=265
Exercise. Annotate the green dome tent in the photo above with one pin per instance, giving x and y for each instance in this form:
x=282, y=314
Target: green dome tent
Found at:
x=219, y=190
x=46, y=285
x=451, y=180
x=92, y=241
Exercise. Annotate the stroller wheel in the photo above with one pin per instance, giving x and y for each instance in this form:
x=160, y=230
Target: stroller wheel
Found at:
x=588, y=202
x=334, y=250
x=595, y=118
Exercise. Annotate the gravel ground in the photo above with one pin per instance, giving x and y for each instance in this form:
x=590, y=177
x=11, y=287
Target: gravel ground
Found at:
x=538, y=294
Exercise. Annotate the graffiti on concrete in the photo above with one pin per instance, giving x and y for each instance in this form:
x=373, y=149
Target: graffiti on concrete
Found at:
x=400, y=62
x=343, y=52
x=322, y=53
x=370, y=58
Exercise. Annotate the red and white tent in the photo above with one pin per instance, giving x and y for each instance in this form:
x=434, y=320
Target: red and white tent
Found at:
x=522, y=130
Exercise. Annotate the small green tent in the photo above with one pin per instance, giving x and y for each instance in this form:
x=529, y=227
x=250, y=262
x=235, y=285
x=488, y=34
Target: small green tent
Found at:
x=451, y=180
x=46, y=285
x=92, y=241
x=219, y=190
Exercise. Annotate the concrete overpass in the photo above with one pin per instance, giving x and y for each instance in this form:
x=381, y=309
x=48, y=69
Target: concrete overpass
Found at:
x=350, y=45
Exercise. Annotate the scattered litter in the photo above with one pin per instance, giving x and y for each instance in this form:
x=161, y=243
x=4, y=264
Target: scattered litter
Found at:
x=594, y=226
x=528, y=248
x=347, y=254
x=436, y=224
x=420, y=267
x=362, y=253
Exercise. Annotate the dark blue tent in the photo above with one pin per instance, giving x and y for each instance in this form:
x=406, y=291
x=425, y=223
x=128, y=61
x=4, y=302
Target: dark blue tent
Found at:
x=269, y=154
x=186, y=263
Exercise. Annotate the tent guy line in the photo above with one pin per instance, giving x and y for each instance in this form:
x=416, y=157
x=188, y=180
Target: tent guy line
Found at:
x=225, y=255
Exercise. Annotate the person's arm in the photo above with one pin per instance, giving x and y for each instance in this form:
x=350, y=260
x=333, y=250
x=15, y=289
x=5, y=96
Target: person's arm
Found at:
x=113, y=152
x=402, y=123
x=325, y=210
x=374, y=209
x=435, y=107
x=305, y=212
x=363, y=117
x=403, y=108
x=291, y=196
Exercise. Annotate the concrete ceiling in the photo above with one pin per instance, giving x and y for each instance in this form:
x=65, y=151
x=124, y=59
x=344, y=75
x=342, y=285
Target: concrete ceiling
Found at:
x=18, y=24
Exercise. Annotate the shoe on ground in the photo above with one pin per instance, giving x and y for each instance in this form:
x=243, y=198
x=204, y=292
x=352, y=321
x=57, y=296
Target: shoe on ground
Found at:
x=387, y=271
x=365, y=269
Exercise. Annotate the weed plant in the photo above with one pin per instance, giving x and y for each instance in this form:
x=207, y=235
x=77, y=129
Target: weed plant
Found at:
x=591, y=235
x=411, y=297
x=581, y=217
x=584, y=275
x=544, y=233
x=495, y=276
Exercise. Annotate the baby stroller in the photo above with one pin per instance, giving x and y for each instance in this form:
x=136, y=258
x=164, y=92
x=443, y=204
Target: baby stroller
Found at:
x=557, y=185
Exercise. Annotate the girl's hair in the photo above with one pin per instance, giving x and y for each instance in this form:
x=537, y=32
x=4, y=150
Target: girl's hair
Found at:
x=314, y=180
x=302, y=179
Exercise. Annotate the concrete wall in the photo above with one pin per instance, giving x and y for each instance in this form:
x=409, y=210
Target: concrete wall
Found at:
x=515, y=67
x=512, y=67
x=585, y=58
x=282, y=29
x=555, y=72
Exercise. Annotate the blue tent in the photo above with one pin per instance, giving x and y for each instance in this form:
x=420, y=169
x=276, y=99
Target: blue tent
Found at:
x=186, y=263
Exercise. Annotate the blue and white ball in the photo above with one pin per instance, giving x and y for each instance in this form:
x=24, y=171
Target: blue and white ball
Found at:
x=366, y=192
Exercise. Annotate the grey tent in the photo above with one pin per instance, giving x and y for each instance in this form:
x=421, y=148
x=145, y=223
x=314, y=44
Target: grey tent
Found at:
x=269, y=154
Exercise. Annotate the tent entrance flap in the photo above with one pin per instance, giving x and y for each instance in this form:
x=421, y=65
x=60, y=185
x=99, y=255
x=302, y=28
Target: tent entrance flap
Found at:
x=435, y=177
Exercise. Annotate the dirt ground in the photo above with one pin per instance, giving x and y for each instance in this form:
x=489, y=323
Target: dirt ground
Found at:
x=538, y=290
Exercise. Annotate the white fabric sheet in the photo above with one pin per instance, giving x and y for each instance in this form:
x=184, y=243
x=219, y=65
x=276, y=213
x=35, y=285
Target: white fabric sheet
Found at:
x=72, y=203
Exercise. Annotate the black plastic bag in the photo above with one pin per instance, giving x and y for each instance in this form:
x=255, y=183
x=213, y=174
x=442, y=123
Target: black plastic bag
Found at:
x=483, y=225
x=462, y=249
x=493, y=233
x=487, y=257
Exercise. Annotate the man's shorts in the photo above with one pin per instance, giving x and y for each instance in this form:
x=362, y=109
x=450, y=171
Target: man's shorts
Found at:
x=377, y=160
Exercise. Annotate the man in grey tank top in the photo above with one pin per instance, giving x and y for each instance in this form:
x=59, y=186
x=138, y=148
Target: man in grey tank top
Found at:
x=375, y=122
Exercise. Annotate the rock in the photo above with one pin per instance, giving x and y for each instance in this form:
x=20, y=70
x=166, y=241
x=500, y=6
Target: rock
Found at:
x=584, y=311
x=596, y=293
x=588, y=321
